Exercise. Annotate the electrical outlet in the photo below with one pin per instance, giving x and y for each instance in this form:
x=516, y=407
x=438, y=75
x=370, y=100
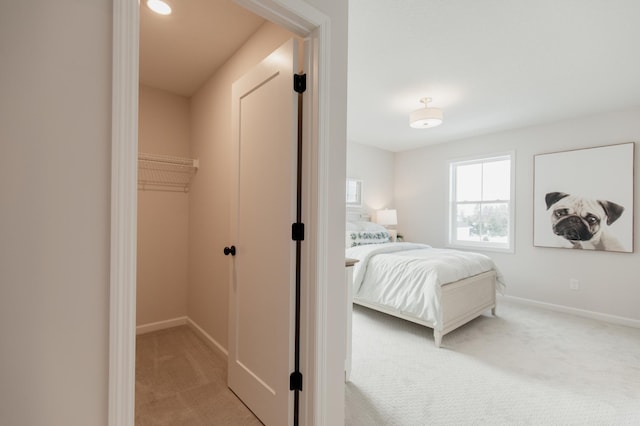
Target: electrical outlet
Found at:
x=574, y=284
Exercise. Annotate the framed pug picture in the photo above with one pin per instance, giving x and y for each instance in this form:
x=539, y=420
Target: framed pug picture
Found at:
x=583, y=199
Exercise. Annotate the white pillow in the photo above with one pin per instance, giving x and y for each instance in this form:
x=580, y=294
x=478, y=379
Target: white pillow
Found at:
x=361, y=238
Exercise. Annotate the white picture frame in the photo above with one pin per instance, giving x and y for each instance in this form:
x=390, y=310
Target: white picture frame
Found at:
x=353, y=193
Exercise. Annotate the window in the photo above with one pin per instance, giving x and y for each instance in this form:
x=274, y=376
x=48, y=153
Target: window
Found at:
x=481, y=203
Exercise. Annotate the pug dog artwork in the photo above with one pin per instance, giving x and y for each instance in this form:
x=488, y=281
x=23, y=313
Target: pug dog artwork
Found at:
x=583, y=222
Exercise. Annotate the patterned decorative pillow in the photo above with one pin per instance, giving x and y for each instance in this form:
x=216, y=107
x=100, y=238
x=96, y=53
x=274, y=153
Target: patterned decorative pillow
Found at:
x=361, y=238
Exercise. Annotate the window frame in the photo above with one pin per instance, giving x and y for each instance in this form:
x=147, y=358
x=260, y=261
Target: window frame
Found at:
x=453, y=242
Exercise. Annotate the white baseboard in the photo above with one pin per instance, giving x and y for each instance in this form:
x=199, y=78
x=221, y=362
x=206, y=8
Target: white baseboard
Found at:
x=213, y=343
x=613, y=319
x=161, y=325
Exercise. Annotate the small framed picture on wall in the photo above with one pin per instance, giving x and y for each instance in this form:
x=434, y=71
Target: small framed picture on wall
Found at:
x=354, y=193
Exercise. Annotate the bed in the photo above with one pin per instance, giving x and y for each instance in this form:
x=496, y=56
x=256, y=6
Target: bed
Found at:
x=439, y=288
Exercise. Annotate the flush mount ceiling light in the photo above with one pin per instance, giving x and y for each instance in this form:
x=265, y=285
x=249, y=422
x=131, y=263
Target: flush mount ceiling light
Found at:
x=426, y=117
x=159, y=7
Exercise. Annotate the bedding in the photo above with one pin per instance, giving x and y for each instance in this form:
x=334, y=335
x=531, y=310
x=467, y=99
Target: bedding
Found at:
x=407, y=278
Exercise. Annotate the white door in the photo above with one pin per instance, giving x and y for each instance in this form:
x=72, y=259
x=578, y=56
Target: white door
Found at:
x=261, y=311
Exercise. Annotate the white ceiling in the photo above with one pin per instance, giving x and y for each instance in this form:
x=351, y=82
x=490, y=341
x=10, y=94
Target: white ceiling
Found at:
x=491, y=65
x=179, y=52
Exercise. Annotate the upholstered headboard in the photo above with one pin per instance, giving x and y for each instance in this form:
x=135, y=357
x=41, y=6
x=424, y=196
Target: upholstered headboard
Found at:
x=357, y=216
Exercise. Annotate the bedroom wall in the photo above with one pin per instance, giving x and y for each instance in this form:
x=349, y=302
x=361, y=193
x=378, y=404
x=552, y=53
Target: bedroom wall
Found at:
x=55, y=159
x=375, y=167
x=608, y=281
x=163, y=216
x=210, y=198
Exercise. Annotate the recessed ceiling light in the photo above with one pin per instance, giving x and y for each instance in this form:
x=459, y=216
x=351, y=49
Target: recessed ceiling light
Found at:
x=158, y=6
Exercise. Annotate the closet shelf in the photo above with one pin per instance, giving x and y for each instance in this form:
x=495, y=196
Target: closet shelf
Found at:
x=165, y=173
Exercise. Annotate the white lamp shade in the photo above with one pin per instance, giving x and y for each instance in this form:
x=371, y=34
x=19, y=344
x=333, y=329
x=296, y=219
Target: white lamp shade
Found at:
x=387, y=217
x=425, y=117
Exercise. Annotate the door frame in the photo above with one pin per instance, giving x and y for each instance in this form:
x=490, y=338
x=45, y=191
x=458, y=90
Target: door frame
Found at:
x=305, y=21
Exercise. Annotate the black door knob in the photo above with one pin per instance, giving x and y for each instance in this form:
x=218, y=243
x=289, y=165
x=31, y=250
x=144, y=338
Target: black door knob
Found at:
x=230, y=251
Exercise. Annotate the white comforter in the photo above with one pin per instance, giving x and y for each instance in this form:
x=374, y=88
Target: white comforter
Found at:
x=408, y=277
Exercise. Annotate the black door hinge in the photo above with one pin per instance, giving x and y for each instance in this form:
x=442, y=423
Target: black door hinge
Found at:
x=299, y=83
x=297, y=231
x=295, y=381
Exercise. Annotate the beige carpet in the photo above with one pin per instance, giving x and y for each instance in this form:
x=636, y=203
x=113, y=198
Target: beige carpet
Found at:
x=527, y=366
x=180, y=381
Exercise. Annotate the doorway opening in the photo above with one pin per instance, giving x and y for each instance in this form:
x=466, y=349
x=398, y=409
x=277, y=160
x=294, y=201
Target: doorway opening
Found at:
x=302, y=21
x=184, y=222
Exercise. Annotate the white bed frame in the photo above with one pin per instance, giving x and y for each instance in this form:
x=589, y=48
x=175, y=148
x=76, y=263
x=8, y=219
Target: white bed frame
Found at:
x=461, y=301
